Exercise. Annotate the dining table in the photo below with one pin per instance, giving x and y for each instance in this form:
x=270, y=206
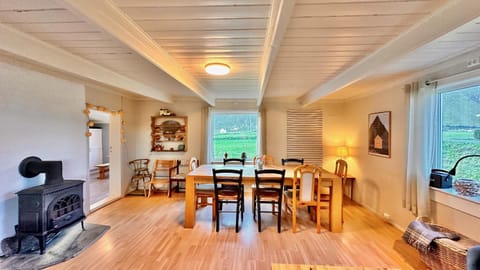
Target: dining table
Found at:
x=204, y=175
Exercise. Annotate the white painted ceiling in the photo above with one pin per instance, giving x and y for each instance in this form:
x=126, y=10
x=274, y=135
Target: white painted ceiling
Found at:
x=305, y=49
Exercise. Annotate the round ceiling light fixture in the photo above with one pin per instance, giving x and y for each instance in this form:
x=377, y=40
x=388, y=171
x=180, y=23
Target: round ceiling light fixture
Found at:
x=217, y=69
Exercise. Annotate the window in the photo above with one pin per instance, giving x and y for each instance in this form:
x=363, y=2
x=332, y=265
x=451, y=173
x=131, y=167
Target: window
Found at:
x=234, y=133
x=460, y=131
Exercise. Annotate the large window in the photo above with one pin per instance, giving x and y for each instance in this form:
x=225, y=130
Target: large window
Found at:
x=460, y=131
x=234, y=133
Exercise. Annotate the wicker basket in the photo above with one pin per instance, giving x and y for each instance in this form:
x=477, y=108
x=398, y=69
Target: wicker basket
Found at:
x=447, y=254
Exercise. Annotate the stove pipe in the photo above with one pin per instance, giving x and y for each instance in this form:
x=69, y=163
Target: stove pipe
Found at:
x=33, y=166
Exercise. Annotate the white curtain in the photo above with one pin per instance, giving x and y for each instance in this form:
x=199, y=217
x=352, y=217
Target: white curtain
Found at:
x=206, y=148
x=422, y=144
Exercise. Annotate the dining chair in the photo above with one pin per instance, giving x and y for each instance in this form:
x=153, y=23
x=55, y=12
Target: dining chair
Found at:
x=291, y=161
x=305, y=179
x=140, y=173
x=234, y=161
x=161, y=175
x=203, y=192
x=269, y=190
x=297, y=161
x=341, y=170
x=267, y=160
x=180, y=174
x=228, y=189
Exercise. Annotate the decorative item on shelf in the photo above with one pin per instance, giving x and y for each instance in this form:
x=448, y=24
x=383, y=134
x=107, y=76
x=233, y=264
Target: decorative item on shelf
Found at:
x=165, y=112
x=90, y=123
x=159, y=147
x=171, y=148
x=181, y=147
x=467, y=187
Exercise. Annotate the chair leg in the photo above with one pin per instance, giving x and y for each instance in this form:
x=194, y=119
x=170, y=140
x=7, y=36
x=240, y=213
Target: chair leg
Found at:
x=169, y=189
x=279, y=213
x=254, y=208
x=294, y=218
x=253, y=202
x=217, y=219
x=214, y=208
x=150, y=189
x=236, y=214
x=318, y=218
x=259, y=207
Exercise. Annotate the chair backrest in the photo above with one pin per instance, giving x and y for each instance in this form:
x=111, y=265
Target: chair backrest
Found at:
x=193, y=164
x=233, y=160
x=341, y=168
x=267, y=159
x=270, y=179
x=306, y=177
x=139, y=166
x=163, y=168
x=298, y=161
x=227, y=182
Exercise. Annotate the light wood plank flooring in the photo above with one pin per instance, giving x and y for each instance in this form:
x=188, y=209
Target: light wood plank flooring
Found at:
x=148, y=233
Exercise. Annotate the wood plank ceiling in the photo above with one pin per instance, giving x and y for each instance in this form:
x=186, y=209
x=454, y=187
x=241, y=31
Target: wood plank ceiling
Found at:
x=318, y=41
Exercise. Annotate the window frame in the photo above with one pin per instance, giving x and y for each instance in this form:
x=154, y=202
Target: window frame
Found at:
x=449, y=196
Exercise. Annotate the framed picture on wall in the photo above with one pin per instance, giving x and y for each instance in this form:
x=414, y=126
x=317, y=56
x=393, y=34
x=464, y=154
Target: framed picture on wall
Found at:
x=379, y=134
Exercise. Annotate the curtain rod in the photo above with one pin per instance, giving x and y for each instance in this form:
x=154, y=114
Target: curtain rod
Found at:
x=429, y=82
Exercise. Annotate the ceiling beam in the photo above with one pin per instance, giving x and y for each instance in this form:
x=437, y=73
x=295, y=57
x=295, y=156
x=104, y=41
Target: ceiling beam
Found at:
x=454, y=14
x=279, y=18
x=36, y=51
x=110, y=18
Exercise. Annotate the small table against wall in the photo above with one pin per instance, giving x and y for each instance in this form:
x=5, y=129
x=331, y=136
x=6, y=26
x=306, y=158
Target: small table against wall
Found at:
x=102, y=169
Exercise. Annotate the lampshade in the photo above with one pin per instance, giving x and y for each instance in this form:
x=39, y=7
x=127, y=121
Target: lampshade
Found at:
x=342, y=151
x=217, y=68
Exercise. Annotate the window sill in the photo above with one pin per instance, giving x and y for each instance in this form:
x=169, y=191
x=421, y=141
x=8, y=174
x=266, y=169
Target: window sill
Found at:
x=450, y=198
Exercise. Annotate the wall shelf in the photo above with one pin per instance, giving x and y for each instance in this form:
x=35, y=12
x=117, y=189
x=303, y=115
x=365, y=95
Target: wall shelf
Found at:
x=169, y=133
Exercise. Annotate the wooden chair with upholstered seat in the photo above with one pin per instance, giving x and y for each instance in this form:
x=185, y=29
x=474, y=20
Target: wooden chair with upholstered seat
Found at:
x=269, y=190
x=305, y=179
x=341, y=170
x=161, y=175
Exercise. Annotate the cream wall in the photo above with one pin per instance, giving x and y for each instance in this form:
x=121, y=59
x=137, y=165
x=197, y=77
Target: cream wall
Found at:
x=379, y=181
x=41, y=116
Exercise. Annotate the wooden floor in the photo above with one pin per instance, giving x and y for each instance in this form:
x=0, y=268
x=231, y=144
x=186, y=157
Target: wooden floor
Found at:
x=148, y=233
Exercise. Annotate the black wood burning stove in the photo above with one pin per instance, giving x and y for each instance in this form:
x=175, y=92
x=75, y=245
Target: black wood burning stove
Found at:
x=50, y=207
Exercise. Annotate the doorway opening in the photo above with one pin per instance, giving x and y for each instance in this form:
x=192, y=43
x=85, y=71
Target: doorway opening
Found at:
x=99, y=158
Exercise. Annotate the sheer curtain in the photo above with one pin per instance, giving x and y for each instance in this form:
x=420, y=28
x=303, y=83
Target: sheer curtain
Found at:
x=422, y=144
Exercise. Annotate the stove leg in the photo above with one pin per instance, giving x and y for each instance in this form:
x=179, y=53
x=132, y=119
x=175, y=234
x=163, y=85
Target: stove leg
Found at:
x=83, y=226
x=42, y=243
x=19, y=246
